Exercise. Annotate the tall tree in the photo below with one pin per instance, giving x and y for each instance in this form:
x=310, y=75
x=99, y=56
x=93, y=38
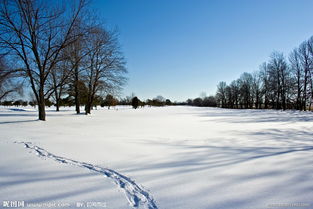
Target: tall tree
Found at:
x=245, y=82
x=234, y=86
x=310, y=48
x=58, y=79
x=306, y=65
x=298, y=75
x=278, y=69
x=221, y=94
x=104, y=65
x=265, y=83
x=257, y=89
x=76, y=52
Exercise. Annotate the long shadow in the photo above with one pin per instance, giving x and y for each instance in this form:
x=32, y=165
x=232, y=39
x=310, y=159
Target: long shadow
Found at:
x=18, y=115
x=202, y=157
x=18, y=110
x=40, y=178
x=31, y=177
x=18, y=121
x=252, y=115
x=65, y=195
x=190, y=159
x=33, y=114
x=293, y=137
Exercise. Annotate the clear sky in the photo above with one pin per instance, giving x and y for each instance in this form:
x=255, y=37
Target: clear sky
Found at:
x=180, y=48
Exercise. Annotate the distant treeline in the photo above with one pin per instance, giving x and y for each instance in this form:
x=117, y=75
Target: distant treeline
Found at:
x=107, y=101
x=280, y=83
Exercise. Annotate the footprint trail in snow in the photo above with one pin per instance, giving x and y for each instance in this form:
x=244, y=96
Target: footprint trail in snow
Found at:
x=135, y=194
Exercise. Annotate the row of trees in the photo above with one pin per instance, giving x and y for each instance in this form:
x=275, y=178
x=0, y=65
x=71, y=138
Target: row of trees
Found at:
x=280, y=83
x=158, y=102
x=61, y=49
x=133, y=100
x=107, y=101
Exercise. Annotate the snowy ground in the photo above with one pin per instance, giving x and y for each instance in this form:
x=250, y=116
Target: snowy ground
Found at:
x=166, y=158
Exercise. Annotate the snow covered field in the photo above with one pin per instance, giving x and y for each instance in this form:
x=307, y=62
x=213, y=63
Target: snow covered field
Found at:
x=166, y=158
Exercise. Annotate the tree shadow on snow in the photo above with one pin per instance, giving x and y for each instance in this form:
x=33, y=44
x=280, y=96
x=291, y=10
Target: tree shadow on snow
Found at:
x=287, y=172
x=18, y=121
x=191, y=158
x=56, y=185
x=252, y=115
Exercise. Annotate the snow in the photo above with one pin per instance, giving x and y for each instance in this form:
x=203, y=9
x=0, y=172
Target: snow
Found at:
x=159, y=157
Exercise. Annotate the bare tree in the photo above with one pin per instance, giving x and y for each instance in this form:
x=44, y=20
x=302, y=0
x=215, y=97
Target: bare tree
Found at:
x=278, y=70
x=221, y=94
x=298, y=75
x=245, y=83
x=67, y=71
x=76, y=52
x=234, y=86
x=306, y=65
x=310, y=49
x=257, y=89
x=229, y=97
x=265, y=83
x=104, y=65
x=76, y=58
x=58, y=79
x=36, y=32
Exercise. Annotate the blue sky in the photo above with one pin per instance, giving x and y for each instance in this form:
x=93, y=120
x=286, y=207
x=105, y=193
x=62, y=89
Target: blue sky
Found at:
x=180, y=48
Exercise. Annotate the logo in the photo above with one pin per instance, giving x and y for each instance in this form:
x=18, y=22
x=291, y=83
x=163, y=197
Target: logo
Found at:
x=13, y=204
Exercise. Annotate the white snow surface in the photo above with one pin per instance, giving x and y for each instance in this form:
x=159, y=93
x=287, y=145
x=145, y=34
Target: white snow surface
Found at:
x=158, y=157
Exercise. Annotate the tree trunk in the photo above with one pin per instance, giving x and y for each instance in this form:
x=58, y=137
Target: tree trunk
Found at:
x=57, y=104
x=41, y=111
x=77, y=102
x=305, y=90
x=277, y=101
x=57, y=100
x=265, y=103
x=41, y=106
x=87, y=108
x=298, y=92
